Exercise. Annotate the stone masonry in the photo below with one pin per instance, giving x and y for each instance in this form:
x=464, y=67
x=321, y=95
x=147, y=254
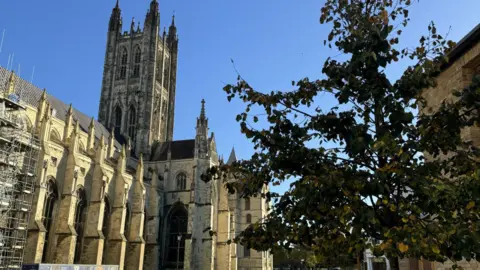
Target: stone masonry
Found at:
x=120, y=191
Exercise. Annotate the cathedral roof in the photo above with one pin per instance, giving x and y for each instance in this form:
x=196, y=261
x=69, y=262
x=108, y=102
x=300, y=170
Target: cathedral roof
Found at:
x=184, y=149
x=31, y=94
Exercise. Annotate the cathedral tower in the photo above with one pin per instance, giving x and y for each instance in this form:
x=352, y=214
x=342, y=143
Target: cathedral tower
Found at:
x=139, y=80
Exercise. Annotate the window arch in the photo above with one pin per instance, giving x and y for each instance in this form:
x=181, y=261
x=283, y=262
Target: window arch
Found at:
x=80, y=215
x=118, y=119
x=247, y=203
x=81, y=147
x=138, y=59
x=49, y=210
x=249, y=219
x=132, y=121
x=55, y=136
x=181, y=181
x=123, y=65
x=177, y=229
x=106, y=223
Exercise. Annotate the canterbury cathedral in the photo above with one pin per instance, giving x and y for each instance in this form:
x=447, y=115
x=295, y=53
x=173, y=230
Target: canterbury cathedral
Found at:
x=119, y=191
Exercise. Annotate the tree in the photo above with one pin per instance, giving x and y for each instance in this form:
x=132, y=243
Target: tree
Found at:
x=398, y=176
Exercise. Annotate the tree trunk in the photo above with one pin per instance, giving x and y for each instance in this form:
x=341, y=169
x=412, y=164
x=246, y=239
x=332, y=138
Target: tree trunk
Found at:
x=358, y=262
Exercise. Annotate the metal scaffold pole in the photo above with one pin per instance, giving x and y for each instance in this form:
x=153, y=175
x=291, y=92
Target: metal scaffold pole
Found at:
x=19, y=150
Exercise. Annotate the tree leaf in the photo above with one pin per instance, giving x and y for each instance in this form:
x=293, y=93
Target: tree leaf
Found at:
x=403, y=247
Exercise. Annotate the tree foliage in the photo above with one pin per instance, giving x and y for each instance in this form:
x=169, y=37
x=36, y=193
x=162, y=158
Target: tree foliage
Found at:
x=398, y=176
x=298, y=257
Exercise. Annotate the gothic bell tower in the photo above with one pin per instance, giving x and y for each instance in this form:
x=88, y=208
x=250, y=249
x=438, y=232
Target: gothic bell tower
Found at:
x=137, y=99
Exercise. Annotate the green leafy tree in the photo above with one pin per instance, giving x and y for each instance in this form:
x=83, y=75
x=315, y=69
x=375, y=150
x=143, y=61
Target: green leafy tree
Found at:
x=398, y=176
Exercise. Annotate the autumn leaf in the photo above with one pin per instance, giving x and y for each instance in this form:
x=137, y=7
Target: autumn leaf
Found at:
x=403, y=247
x=384, y=16
x=470, y=205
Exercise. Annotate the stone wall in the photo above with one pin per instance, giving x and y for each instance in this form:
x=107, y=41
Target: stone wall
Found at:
x=457, y=75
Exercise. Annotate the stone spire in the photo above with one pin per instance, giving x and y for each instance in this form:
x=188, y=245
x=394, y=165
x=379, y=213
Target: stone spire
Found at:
x=172, y=38
x=153, y=15
x=232, y=158
x=115, y=23
x=100, y=151
x=10, y=85
x=122, y=161
x=201, y=140
x=111, y=145
x=68, y=123
x=202, y=120
x=42, y=104
x=76, y=130
x=91, y=135
x=132, y=26
x=172, y=30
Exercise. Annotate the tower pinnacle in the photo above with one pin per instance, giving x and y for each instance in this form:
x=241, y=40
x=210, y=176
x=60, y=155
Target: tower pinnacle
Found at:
x=202, y=121
x=172, y=31
x=202, y=111
x=116, y=19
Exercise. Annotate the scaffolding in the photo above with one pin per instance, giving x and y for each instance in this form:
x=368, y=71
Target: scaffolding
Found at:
x=19, y=150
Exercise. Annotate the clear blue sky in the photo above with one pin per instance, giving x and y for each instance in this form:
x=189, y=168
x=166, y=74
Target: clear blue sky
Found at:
x=272, y=42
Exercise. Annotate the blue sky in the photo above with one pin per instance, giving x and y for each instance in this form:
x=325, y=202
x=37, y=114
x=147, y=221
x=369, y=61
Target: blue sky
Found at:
x=271, y=41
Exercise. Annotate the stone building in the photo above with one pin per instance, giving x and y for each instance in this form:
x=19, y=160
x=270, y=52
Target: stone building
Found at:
x=120, y=191
x=464, y=63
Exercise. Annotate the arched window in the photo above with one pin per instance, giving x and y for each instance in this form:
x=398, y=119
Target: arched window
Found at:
x=55, y=136
x=138, y=58
x=126, y=227
x=106, y=224
x=118, y=119
x=79, y=222
x=176, y=235
x=81, y=147
x=132, y=121
x=247, y=203
x=123, y=65
x=249, y=219
x=49, y=209
x=181, y=181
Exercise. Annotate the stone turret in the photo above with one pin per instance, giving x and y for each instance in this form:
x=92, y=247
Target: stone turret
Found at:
x=68, y=124
x=201, y=139
x=115, y=24
x=10, y=85
x=111, y=145
x=42, y=104
x=91, y=136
